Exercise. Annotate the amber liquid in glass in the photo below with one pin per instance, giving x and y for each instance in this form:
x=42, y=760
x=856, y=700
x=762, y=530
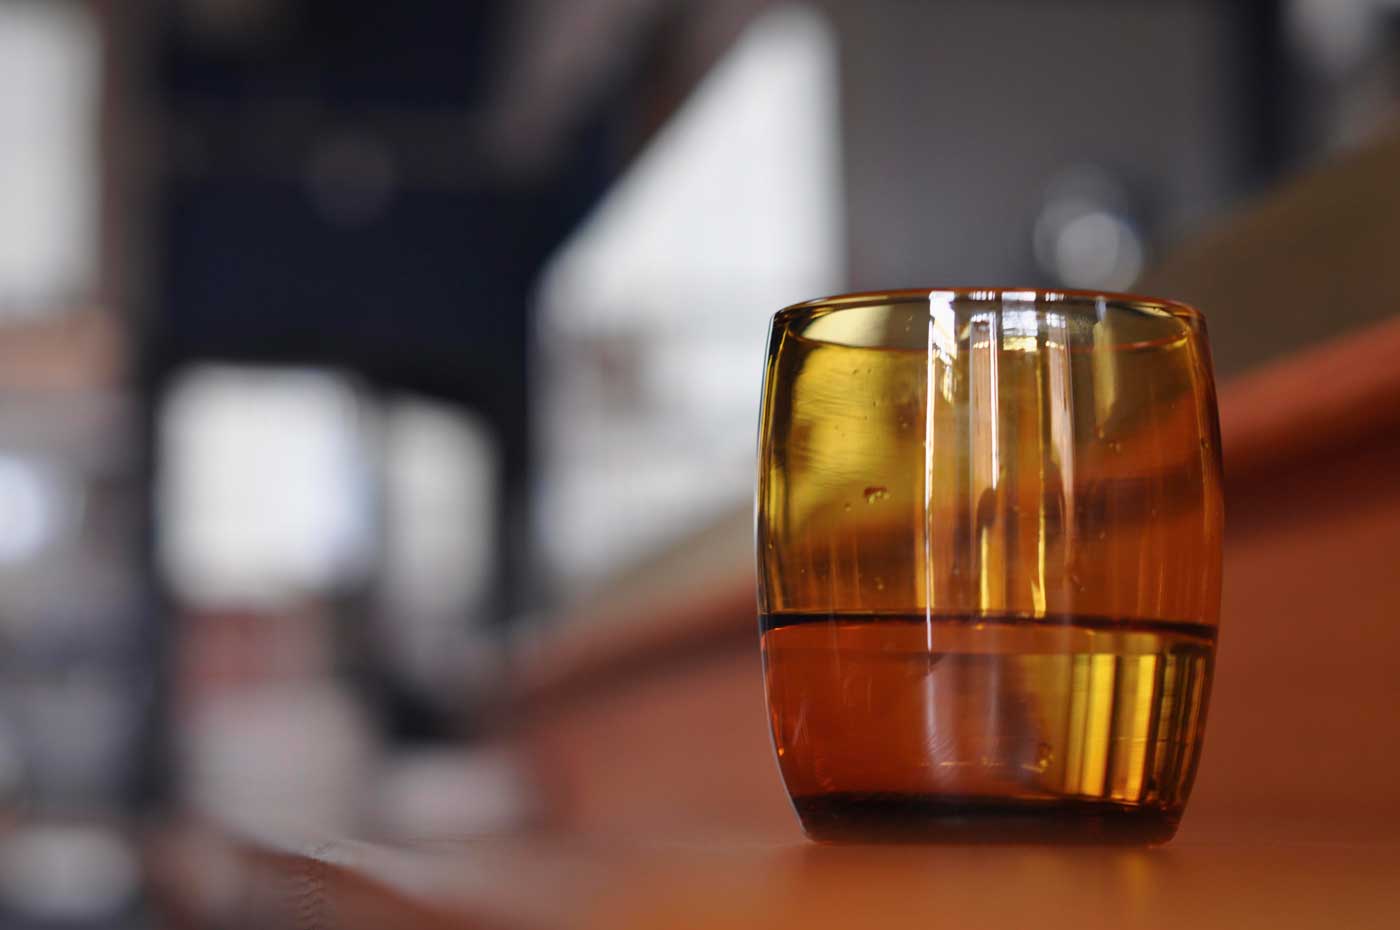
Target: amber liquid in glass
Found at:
x=906, y=726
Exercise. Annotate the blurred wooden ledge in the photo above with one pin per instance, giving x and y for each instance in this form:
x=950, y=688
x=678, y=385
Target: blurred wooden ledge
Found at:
x=1299, y=265
x=676, y=605
x=1341, y=397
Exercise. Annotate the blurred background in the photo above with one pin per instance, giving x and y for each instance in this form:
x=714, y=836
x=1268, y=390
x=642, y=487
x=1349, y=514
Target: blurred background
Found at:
x=351, y=350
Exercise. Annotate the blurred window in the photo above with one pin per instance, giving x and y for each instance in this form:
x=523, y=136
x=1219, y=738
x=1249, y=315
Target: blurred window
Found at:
x=264, y=489
x=441, y=474
x=49, y=71
x=652, y=318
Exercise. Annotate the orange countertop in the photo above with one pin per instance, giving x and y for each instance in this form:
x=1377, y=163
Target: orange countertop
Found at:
x=1237, y=876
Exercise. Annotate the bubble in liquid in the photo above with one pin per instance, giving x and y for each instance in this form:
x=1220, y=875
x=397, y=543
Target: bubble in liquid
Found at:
x=879, y=584
x=846, y=506
x=876, y=493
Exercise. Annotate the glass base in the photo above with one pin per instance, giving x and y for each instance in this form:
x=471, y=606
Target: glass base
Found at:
x=897, y=818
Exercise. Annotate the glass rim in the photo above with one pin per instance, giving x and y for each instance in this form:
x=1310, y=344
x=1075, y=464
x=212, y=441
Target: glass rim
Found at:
x=1137, y=303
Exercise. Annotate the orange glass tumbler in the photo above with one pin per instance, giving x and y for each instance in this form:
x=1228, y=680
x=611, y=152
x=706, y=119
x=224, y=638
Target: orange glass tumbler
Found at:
x=989, y=548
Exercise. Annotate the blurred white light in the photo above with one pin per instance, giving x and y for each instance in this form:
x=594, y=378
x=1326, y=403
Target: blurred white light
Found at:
x=653, y=315
x=1097, y=249
x=49, y=63
x=441, y=478
x=1085, y=235
x=741, y=189
x=29, y=503
x=1335, y=35
x=943, y=324
x=263, y=487
x=66, y=872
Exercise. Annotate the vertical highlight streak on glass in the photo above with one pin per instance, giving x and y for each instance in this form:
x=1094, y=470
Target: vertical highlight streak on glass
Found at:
x=1062, y=437
x=1025, y=352
x=984, y=345
x=1098, y=721
x=1139, y=700
x=942, y=351
x=1105, y=370
x=930, y=386
x=1077, y=723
